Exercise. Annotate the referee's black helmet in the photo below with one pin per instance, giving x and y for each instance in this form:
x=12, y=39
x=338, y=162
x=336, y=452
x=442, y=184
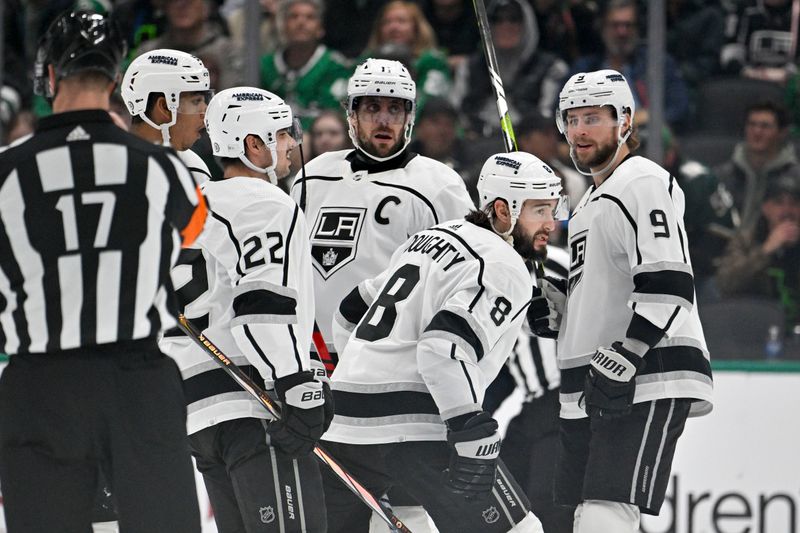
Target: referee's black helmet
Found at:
x=79, y=41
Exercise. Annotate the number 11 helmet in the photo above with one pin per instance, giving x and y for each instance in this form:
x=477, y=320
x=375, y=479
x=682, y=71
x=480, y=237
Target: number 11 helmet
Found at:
x=235, y=113
x=387, y=78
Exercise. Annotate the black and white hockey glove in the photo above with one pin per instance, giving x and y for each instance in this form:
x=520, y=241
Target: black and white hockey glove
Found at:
x=473, y=458
x=303, y=420
x=547, y=306
x=321, y=375
x=611, y=382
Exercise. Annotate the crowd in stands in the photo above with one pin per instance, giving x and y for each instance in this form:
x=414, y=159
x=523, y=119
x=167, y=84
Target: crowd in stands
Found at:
x=742, y=197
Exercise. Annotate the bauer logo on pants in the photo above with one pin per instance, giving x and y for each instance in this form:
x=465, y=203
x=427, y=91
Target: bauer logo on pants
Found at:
x=334, y=238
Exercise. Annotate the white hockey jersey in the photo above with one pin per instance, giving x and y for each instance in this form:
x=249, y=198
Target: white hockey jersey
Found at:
x=630, y=276
x=432, y=332
x=358, y=216
x=247, y=286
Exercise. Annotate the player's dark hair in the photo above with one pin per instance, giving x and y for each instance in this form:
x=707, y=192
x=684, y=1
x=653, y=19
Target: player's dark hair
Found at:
x=480, y=218
x=152, y=98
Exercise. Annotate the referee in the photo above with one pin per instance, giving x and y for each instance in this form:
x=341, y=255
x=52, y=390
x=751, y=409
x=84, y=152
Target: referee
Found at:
x=90, y=219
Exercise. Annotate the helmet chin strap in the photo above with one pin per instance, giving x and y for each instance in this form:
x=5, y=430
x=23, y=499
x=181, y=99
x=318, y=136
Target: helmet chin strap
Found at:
x=620, y=140
x=269, y=170
x=506, y=235
x=165, y=138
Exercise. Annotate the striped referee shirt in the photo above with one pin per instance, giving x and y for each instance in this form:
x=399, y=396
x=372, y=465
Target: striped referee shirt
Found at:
x=533, y=363
x=90, y=218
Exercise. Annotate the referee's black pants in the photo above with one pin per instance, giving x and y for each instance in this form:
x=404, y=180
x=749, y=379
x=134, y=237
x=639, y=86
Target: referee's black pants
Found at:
x=63, y=415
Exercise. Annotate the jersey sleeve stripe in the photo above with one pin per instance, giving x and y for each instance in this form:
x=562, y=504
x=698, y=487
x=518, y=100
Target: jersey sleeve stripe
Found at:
x=264, y=303
x=353, y=307
x=216, y=381
x=257, y=348
x=469, y=382
x=664, y=283
x=642, y=329
x=456, y=329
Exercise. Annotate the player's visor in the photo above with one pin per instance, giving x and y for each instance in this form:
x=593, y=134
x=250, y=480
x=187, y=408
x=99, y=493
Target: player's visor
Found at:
x=194, y=102
x=296, y=131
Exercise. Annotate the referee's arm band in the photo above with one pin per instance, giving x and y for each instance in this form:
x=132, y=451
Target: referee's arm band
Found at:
x=196, y=223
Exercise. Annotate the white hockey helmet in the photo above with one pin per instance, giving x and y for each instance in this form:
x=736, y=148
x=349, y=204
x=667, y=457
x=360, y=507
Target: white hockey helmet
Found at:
x=382, y=77
x=516, y=177
x=598, y=88
x=167, y=72
x=235, y=113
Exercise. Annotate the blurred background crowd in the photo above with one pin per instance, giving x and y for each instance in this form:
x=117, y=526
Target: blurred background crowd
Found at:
x=731, y=106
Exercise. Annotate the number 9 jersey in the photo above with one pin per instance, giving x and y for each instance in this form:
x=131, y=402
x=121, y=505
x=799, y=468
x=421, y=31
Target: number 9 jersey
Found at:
x=631, y=276
x=428, y=335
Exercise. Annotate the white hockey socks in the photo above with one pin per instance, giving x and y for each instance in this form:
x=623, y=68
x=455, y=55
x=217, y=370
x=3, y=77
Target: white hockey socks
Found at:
x=600, y=516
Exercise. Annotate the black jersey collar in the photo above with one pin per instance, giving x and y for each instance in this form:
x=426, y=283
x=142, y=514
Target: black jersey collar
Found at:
x=83, y=116
x=361, y=161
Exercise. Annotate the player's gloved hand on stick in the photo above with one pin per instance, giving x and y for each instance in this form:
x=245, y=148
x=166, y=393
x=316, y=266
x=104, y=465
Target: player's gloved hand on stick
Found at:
x=475, y=447
x=303, y=414
x=321, y=375
x=611, y=381
x=547, y=306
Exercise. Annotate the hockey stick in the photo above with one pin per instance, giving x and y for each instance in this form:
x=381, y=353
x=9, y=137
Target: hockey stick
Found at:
x=509, y=140
x=274, y=409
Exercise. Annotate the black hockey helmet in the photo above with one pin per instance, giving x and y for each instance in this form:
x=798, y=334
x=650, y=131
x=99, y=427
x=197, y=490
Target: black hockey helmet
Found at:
x=79, y=41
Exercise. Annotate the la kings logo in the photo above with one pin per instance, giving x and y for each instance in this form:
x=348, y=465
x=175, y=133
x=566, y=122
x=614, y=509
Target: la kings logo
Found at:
x=334, y=238
x=577, y=256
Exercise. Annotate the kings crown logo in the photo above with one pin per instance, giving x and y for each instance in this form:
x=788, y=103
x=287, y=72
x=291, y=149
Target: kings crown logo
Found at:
x=329, y=258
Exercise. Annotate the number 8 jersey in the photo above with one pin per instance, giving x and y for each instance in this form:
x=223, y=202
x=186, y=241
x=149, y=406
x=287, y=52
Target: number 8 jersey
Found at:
x=631, y=276
x=428, y=335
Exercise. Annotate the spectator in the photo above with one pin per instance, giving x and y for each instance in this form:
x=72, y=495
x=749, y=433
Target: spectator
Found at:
x=190, y=29
x=453, y=22
x=402, y=24
x=268, y=26
x=140, y=21
x=762, y=157
x=531, y=77
x=623, y=52
x=436, y=136
x=695, y=35
x=709, y=216
x=762, y=46
x=348, y=24
x=539, y=136
x=568, y=29
x=328, y=133
x=305, y=73
x=765, y=260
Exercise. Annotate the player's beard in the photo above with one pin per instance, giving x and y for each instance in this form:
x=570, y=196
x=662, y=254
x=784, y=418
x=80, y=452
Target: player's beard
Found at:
x=600, y=158
x=369, y=147
x=523, y=243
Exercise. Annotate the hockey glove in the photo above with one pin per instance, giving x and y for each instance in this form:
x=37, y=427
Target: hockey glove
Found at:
x=303, y=420
x=547, y=306
x=321, y=375
x=611, y=382
x=473, y=458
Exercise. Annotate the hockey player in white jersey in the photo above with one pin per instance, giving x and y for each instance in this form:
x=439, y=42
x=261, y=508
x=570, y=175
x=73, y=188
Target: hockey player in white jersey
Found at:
x=419, y=345
x=167, y=92
x=361, y=204
x=633, y=359
x=250, y=291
